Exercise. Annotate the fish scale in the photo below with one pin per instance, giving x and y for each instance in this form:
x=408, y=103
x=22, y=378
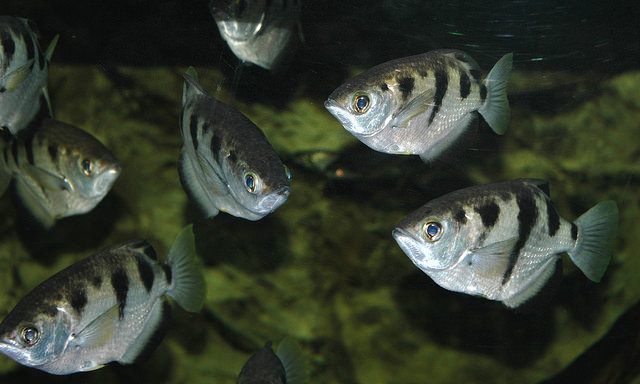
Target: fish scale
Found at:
x=502, y=241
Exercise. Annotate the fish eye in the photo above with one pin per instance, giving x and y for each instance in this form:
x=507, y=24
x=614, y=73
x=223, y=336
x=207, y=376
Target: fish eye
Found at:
x=288, y=173
x=432, y=230
x=361, y=103
x=87, y=167
x=30, y=335
x=250, y=182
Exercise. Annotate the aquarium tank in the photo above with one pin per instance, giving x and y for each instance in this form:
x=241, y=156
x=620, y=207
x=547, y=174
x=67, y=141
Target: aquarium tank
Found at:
x=298, y=191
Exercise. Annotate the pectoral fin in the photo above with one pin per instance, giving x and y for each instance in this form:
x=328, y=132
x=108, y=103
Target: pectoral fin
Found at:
x=52, y=47
x=14, y=79
x=48, y=180
x=100, y=331
x=419, y=105
x=493, y=259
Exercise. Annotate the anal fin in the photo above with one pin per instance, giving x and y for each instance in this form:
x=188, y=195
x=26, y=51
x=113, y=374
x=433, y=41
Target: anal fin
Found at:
x=153, y=331
x=534, y=284
x=34, y=201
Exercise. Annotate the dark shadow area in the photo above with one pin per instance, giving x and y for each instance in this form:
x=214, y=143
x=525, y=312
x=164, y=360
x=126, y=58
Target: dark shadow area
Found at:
x=188, y=329
x=614, y=359
x=154, y=370
x=564, y=97
x=71, y=234
x=583, y=298
x=474, y=324
x=401, y=181
x=340, y=34
x=252, y=246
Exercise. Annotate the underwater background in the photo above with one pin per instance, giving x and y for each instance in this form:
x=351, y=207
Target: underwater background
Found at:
x=323, y=269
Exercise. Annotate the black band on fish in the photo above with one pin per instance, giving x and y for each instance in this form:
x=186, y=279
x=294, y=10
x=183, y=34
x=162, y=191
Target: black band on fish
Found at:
x=527, y=216
x=465, y=84
x=14, y=151
x=28, y=146
x=8, y=46
x=553, y=220
x=120, y=284
x=406, y=85
x=78, y=299
x=96, y=281
x=574, y=231
x=489, y=213
x=442, y=82
x=483, y=92
x=460, y=216
x=145, y=272
x=53, y=152
x=193, y=128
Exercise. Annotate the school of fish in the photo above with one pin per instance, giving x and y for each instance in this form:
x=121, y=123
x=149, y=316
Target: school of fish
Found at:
x=500, y=241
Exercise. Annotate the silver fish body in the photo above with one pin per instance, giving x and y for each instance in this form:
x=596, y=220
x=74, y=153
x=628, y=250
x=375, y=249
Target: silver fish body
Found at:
x=59, y=170
x=502, y=241
x=257, y=31
x=421, y=104
x=226, y=163
x=23, y=73
x=106, y=308
x=286, y=366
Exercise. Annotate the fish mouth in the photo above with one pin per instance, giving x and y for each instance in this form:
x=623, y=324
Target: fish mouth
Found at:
x=413, y=248
x=274, y=200
x=108, y=177
x=347, y=119
x=409, y=245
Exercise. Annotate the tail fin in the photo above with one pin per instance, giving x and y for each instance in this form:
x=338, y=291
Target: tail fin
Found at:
x=495, y=109
x=187, y=282
x=596, y=231
x=293, y=361
x=191, y=85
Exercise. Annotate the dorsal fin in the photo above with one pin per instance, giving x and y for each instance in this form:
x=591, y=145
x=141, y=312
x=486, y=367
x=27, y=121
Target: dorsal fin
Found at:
x=543, y=185
x=191, y=85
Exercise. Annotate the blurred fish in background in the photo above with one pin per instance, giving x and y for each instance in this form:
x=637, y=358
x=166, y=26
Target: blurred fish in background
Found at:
x=23, y=73
x=226, y=162
x=59, y=170
x=286, y=366
x=260, y=32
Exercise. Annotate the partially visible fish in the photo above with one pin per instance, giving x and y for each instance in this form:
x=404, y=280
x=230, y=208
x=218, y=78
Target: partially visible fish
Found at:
x=502, y=241
x=111, y=306
x=23, y=73
x=59, y=170
x=257, y=31
x=226, y=162
x=286, y=366
x=421, y=104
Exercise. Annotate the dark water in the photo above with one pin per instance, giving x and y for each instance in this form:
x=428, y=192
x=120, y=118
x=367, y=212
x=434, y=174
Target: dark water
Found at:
x=324, y=269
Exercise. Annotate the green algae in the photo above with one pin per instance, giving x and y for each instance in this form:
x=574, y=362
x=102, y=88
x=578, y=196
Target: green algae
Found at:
x=324, y=269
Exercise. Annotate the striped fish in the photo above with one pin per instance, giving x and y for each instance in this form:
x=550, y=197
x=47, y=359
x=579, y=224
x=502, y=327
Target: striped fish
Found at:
x=503, y=241
x=286, y=366
x=59, y=170
x=23, y=73
x=421, y=104
x=109, y=307
x=258, y=31
x=226, y=163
